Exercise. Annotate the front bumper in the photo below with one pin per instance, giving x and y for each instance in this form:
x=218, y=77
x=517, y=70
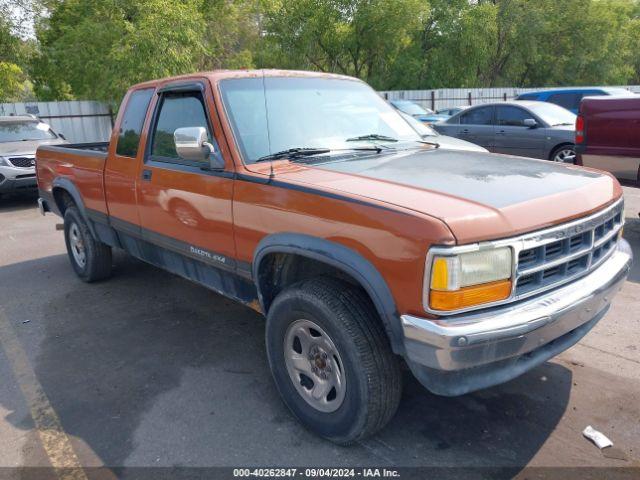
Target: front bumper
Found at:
x=460, y=354
x=16, y=179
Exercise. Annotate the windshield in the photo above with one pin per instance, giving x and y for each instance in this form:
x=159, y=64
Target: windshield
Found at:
x=553, y=114
x=274, y=114
x=17, y=132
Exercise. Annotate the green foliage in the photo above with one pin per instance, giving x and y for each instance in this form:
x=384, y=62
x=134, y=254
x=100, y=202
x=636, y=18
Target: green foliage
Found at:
x=364, y=38
x=12, y=81
x=96, y=49
x=15, y=54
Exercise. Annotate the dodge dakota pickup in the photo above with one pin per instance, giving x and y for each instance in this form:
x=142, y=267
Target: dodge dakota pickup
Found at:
x=308, y=198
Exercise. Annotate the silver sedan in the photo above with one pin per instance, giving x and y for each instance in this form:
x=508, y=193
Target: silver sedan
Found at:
x=524, y=128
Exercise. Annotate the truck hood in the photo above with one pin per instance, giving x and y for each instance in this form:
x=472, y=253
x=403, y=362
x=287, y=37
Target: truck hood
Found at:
x=27, y=147
x=480, y=196
x=454, y=143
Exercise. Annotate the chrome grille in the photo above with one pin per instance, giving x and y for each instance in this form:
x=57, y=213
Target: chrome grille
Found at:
x=556, y=256
x=23, y=161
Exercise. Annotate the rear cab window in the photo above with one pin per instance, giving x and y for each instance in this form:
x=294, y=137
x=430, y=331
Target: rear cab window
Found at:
x=132, y=121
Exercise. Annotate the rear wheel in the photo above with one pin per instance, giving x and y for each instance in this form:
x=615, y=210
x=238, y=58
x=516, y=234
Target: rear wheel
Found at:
x=564, y=154
x=90, y=259
x=331, y=359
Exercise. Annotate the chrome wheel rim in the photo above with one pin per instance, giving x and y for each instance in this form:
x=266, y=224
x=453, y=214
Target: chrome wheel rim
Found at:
x=77, y=245
x=314, y=366
x=566, y=155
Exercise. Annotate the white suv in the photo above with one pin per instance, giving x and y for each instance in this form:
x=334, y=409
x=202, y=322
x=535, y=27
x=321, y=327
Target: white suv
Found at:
x=20, y=136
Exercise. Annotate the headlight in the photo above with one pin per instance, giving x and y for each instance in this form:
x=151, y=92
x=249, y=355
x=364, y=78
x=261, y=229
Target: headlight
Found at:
x=460, y=281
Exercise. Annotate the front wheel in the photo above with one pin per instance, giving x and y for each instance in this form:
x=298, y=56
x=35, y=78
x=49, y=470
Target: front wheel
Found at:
x=331, y=359
x=90, y=258
x=564, y=154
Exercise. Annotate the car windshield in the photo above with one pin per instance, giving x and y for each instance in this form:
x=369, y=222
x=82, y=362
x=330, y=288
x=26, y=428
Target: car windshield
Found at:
x=22, y=131
x=553, y=114
x=274, y=114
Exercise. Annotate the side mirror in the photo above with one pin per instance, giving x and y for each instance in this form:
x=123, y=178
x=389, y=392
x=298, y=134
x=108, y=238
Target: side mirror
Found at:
x=191, y=144
x=530, y=122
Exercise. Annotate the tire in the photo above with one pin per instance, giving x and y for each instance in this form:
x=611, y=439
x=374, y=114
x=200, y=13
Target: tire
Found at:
x=90, y=259
x=564, y=154
x=371, y=384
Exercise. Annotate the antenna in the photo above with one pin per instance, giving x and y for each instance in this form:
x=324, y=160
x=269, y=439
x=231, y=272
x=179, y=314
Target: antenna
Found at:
x=266, y=114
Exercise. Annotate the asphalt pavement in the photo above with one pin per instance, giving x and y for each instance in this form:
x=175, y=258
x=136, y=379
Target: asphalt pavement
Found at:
x=149, y=370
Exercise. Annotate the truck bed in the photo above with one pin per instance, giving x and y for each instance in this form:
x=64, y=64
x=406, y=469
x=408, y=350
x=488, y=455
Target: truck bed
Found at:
x=81, y=164
x=93, y=146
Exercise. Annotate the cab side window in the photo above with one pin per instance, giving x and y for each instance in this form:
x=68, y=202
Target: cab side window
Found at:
x=131, y=126
x=511, y=116
x=478, y=116
x=177, y=110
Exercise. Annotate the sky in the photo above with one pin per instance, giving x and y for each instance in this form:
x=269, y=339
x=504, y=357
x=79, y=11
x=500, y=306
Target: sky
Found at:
x=23, y=16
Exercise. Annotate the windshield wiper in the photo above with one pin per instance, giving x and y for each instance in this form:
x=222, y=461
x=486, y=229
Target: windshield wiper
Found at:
x=293, y=153
x=559, y=124
x=435, y=144
x=372, y=136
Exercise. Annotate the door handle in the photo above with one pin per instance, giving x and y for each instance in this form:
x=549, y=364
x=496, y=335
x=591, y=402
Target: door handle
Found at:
x=146, y=175
x=501, y=132
x=466, y=130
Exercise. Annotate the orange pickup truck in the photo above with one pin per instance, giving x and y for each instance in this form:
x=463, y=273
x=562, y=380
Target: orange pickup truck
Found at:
x=311, y=200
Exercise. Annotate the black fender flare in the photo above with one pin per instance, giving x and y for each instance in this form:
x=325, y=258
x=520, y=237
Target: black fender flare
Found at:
x=342, y=258
x=68, y=186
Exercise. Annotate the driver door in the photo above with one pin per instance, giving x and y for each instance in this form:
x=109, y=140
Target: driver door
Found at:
x=183, y=206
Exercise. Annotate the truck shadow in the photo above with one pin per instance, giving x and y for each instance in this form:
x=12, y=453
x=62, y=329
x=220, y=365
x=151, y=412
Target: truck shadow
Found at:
x=19, y=201
x=149, y=369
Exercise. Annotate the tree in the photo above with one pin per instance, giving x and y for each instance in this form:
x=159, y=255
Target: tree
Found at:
x=14, y=56
x=98, y=49
x=364, y=38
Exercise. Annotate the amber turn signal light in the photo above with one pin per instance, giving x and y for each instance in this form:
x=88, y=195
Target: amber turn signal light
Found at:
x=470, y=296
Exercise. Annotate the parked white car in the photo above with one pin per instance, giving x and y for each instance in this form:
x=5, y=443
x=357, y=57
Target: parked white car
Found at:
x=20, y=136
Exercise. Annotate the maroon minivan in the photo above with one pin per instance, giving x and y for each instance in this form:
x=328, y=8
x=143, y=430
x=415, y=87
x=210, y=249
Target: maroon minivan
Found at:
x=608, y=135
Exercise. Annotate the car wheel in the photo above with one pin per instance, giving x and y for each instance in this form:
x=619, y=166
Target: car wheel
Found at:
x=564, y=154
x=331, y=359
x=90, y=259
